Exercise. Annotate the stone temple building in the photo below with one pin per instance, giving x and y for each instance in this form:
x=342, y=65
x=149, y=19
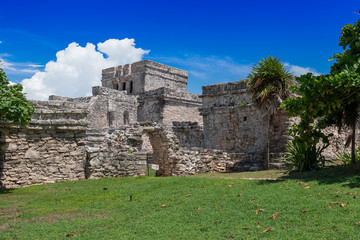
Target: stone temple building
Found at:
x=142, y=113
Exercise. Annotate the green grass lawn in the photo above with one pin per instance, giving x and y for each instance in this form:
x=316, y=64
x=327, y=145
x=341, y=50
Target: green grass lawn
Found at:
x=205, y=207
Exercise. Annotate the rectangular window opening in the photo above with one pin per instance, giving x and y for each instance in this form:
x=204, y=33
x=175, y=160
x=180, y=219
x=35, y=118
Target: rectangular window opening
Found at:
x=131, y=87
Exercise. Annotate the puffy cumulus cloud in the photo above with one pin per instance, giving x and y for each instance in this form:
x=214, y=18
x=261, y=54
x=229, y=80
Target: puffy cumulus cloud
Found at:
x=121, y=51
x=298, y=71
x=78, y=68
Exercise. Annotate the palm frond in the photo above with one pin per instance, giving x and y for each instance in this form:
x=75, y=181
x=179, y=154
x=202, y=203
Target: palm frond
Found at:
x=269, y=83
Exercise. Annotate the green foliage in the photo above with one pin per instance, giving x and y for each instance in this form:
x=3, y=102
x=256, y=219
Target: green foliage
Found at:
x=13, y=105
x=345, y=157
x=311, y=106
x=348, y=64
x=332, y=99
x=349, y=60
x=269, y=83
x=244, y=104
x=304, y=156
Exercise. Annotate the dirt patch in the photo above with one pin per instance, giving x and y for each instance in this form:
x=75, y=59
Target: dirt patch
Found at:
x=16, y=198
x=10, y=212
x=52, y=218
x=5, y=226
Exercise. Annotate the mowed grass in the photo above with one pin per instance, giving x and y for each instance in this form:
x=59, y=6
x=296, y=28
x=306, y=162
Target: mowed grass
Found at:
x=184, y=208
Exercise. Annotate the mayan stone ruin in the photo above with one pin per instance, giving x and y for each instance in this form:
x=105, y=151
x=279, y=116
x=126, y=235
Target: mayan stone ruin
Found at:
x=142, y=112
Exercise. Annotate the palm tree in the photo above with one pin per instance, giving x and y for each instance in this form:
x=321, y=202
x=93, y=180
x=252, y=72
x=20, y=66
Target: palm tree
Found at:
x=269, y=84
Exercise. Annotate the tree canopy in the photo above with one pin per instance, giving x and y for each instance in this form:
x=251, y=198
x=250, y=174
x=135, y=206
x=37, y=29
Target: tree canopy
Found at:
x=269, y=84
x=331, y=99
x=13, y=105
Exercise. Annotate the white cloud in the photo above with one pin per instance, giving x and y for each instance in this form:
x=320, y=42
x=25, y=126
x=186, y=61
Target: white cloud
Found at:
x=298, y=71
x=5, y=65
x=0, y=42
x=77, y=68
x=18, y=68
x=36, y=65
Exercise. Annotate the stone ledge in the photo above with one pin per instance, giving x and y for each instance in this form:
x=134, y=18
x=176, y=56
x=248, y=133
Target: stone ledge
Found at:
x=168, y=94
x=224, y=88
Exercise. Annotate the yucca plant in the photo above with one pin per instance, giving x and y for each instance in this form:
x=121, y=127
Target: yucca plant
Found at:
x=304, y=156
x=345, y=157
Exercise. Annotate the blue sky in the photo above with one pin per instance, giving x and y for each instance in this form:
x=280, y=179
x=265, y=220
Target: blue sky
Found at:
x=215, y=41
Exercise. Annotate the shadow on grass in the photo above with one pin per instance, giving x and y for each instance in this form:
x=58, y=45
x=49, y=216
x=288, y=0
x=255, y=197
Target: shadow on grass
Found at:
x=348, y=175
x=6, y=191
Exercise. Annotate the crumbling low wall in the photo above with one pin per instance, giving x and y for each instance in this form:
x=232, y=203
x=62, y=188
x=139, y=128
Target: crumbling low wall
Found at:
x=117, y=153
x=174, y=160
x=50, y=149
x=191, y=161
x=188, y=161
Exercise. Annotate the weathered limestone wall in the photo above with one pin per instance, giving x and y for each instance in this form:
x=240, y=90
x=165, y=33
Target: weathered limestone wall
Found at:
x=235, y=129
x=50, y=149
x=189, y=161
x=279, y=134
x=189, y=134
x=279, y=137
x=175, y=160
x=144, y=76
x=151, y=107
x=232, y=123
x=118, y=153
x=165, y=106
x=338, y=141
x=108, y=108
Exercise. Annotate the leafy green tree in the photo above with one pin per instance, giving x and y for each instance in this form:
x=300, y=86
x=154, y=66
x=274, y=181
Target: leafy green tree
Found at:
x=309, y=103
x=269, y=84
x=13, y=105
x=348, y=65
x=328, y=99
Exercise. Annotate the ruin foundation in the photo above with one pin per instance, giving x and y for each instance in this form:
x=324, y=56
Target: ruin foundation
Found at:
x=142, y=113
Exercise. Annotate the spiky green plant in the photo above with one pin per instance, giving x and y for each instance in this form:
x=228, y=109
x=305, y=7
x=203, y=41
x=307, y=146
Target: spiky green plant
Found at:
x=304, y=156
x=345, y=157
